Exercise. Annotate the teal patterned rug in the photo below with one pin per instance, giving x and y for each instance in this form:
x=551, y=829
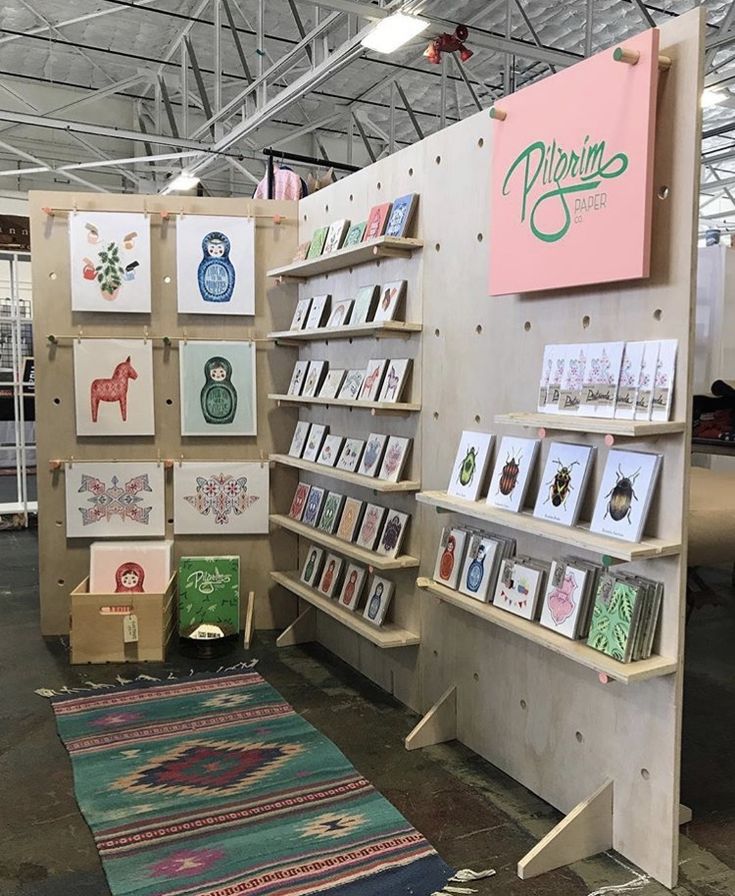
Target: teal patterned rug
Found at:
x=214, y=786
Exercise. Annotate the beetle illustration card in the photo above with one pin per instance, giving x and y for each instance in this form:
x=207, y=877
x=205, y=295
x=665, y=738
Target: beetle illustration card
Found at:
x=470, y=465
x=229, y=498
x=114, y=500
x=340, y=315
x=394, y=382
x=215, y=264
x=351, y=454
x=630, y=373
x=394, y=460
x=110, y=262
x=298, y=378
x=314, y=376
x=625, y=494
x=335, y=236
x=663, y=381
x=113, y=387
x=373, y=379
x=373, y=454
x=332, y=383
x=372, y=523
x=298, y=504
x=313, y=506
x=364, y=307
x=310, y=574
x=330, y=451
x=391, y=296
x=601, y=378
x=301, y=314
x=319, y=312
x=511, y=475
x=218, y=389
x=450, y=556
x=350, y=388
x=350, y=519
x=130, y=567
x=331, y=510
x=352, y=586
x=563, y=483
x=379, y=596
x=314, y=442
x=298, y=442
x=393, y=534
x=331, y=576
x=480, y=566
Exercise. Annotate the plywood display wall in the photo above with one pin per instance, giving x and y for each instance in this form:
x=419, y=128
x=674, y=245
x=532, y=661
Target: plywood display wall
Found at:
x=544, y=719
x=64, y=563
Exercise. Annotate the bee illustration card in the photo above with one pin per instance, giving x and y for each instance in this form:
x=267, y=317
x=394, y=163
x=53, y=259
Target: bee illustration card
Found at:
x=519, y=588
x=314, y=376
x=364, y=307
x=350, y=388
x=625, y=494
x=563, y=483
x=298, y=378
x=298, y=441
x=372, y=522
x=394, y=460
x=401, y=215
x=480, y=565
x=298, y=504
x=393, y=534
x=113, y=387
x=373, y=454
x=379, y=597
x=318, y=240
x=377, y=220
x=331, y=510
x=354, y=234
x=450, y=556
x=330, y=451
x=394, y=382
x=301, y=314
x=218, y=389
x=335, y=235
x=314, y=442
x=630, y=373
x=332, y=383
x=215, y=264
x=391, y=296
x=313, y=506
x=601, y=378
x=319, y=312
x=470, y=465
x=310, y=574
x=130, y=567
x=110, y=262
x=513, y=465
x=351, y=454
x=340, y=315
x=230, y=498
x=352, y=586
x=350, y=519
x=331, y=575
x=373, y=378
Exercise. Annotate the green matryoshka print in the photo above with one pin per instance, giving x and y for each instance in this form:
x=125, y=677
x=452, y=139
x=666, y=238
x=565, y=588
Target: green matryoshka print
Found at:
x=218, y=396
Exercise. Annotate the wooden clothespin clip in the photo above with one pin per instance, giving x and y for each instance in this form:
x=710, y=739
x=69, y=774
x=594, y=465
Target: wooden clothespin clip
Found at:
x=181, y=459
x=70, y=462
x=55, y=464
x=47, y=211
x=498, y=114
x=165, y=215
x=185, y=336
x=145, y=335
x=168, y=463
x=80, y=335
x=277, y=219
x=166, y=341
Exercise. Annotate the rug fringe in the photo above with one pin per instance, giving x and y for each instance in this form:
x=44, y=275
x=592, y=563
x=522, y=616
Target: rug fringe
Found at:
x=464, y=874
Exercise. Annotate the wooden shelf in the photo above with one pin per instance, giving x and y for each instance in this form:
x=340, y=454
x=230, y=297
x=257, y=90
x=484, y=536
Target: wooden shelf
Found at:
x=577, y=651
x=346, y=548
x=375, y=407
x=384, y=329
x=385, y=636
x=572, y=536
x=376, y=485
x=362, y=253
x=713, y=446
x=574, y=423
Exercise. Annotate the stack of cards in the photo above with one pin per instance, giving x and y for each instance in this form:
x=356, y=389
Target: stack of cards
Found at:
x=569, y=597
x=625, y=616
x=520, y=585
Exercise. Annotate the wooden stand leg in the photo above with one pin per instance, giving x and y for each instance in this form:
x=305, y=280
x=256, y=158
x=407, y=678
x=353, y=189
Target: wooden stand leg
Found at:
x=301, y=630
x=249, y=616
x=685, y=814
x=438, y=725
x=586, y=830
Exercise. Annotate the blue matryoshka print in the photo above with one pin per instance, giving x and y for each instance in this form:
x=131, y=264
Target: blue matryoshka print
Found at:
x=216, y=274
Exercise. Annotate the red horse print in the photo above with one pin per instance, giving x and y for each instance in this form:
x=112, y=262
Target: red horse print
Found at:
x=113, y=389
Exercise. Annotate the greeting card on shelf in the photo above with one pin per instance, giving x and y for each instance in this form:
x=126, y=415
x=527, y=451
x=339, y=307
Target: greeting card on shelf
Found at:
x=373, y=379
x=480, y=566
x=365, y=304
x=630, y=374
x=401, y=215
x=663, y=383
x=450, y=556
x=229, y=498
x=372, y=522
x=331, y=575
x=546, y=366
x=298, y=377
x=301, y=314
x=319, y=312
x=394, y=461
x=380, y=593
x=313, y=506
x=393, y=534
x=330, y=451
x=130, y=567
x=317, y=434
x=298, y=442
x=391, y=296
x=395, y=379
x=350, y=519
x=563, y=482
x=302, y=251
x=355, y=234
x=567, y=598
x=315, y=375
x=352, y=384
x=511, y=475
x=335, y=235
x=615, y=617
x=332, y=383
x=318, y=240
x=571, y=389
x=340, y=315
x=352, y=587
x=644, y=395
x=625, y=494
x=331, y=510
x=519, y=586
x=218, y=389
x=470, y=465
x=373, y=454
x=298, y=504
x=377, y=220
x=310, y=574
x=557, y=361
x=601, y=378
x=351, y=454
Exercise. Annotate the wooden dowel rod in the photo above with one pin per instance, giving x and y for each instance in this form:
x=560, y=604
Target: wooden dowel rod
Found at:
x=57, y=339
x=276, y=219
x=498, y=114
x=631, y=57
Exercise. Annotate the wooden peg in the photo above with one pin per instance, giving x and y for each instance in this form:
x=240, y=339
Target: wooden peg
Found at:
x=498, y=114
x=181, y=460
x=55, y=464
x=604, y=678
x=664, y=63
x=542, y=432
x=48, y=211
x=80, y=335
x=51, y=339
x=145, y=335
x=168, y=463
x=630, y=57
x=609, y=440
x=165, y=215
x=277, y=219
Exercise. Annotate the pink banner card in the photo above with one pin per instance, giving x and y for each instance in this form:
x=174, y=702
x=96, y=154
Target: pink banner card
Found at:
x=572, y=175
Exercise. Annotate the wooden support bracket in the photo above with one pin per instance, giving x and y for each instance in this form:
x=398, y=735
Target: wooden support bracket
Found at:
x=585, y=831
x=301, y=630
x=685, y=814
x=438, y=725
x=249, y=619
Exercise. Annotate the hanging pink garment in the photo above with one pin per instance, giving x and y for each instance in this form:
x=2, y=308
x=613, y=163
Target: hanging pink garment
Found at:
x=286, y=185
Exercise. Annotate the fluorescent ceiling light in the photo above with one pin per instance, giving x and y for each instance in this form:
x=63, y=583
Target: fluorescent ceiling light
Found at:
x=181, y=183
x=712, y=97
x=393, y=32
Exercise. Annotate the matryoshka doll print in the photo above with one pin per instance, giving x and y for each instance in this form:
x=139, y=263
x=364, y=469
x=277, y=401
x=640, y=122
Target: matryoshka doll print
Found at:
x=218, y=396
x=374, y=603
x=129, y=578
x=349, y=591
x=447, y=562
x=309, y=571
x=476, y=571
x=328, y=576
x=216, y=274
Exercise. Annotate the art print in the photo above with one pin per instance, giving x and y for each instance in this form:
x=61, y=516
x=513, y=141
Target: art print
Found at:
x=364, y=307
x=314, y=377
x=218, y=389
x=352, y=587
x=479, y=566
x=394, y=381
x=330, y=451
x=318, y=239
x=401, y=216
x=298, y=377
x=351, y=454
x=563, y=601
x=318, y=312
x=663, y=381
x=373, y=379
x=571, y=388
x=331, y=575
x=644, y=395
x=512, y=472
x=625, y=493
x=329, y=518
x=377, y=221
x=391, y=296
x=114, y=500
x=393, y=534
x=312, y=566
x=630, y=373
x=335, y=235
x=601, y=378
x=110, y=262
x=221, y=498
x=380, y=593
x=298, y=441
x=113, y=387
x=340, y=315
x=450, y=556
x=470, y=465
x=301, y=314
x=317, y=434
x=394, y=460
x=130, y=567
x=298, y=503
x=372, y=523
x=215, y=264
x=313, y=506
x=350, y=519
x=209, y=596
x=373, y=454
x=351, y=386
x=354, y=234
x=563, y=483
x=332, y=384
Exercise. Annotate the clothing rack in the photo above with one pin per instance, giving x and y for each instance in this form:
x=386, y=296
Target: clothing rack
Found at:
x=295, y=157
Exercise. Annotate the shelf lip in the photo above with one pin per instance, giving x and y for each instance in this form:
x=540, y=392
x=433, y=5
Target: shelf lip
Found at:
x=346, y=548
x=576, y=651
x=385, y=636
x=377, y=407
x=362, y=253
x=377, y=485
x=573, y=536
x=383, y=328
x=574, y=423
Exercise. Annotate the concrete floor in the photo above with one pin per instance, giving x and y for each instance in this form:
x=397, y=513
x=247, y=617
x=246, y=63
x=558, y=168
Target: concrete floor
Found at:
x=474, y=815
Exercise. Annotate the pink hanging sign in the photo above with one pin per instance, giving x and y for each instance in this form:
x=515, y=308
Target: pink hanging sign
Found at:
x=572, y=175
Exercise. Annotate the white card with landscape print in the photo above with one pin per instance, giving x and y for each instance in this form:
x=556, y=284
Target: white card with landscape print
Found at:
x=298, y=442
x=563, y=482
x=110, y=262
x=364, y=307
x=625, y=493
x=330, y=451
x=340, y=314
x=513, y=465
x=114, y=500
x=350, y=388
x=298, y=376
x=314, y=442
x=351, y=454
x=372, y=455
x=221, y=498
x=215, y=264
x=318, y=312
x=352, y=586
x=394, y=459
x=470, y=465
x=301, y=314
x=394, y=381
x=373, y=378
x=391, y=296
x=217, y=388
x=314, y=377
x=332, y=383
x=393, y=534
x=113, y=387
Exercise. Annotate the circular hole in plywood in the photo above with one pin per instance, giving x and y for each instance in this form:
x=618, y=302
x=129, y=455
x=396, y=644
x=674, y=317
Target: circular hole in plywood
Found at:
x=476, y=676
x=438, y=247
x=169, y=401
x=379, y=185
x=478, y=418
x=438, y=160
x=579, y=736
x=437, y=332
x=304, y=217
x=326, y=208
x=645, y=774
x=167, y=278
x=351, y=197
x=478, y=329
x=435, y=652
x=479, y=237
x=524, y=705
x=52, y=275
x=527, y=326
x=658, y=314
x=480, y=142
x=60, y=582
x=436, y=415
x=57, y=401
x=410, y=172
x=586, y=321
x=59, y=523
x=663, y=192
x=170, y=521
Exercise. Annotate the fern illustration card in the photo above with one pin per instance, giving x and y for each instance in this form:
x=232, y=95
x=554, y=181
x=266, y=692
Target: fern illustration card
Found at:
x=215, y=264
x=113, y=387
x=110, y=262
x=513, y=465
x=209, y=594
x=470, y=465
x=625, y=494
x=563, y=482
x=221, y=498
x=614, y=618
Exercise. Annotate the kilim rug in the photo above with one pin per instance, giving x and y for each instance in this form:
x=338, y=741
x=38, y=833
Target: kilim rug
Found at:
x=214, y=786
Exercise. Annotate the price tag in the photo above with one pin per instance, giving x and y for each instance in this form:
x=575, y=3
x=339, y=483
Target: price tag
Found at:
x=130, y=628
